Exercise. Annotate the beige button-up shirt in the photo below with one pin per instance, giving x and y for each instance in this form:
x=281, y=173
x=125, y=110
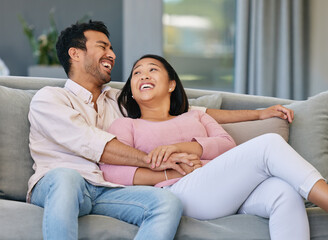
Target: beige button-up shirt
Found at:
x=66, y=131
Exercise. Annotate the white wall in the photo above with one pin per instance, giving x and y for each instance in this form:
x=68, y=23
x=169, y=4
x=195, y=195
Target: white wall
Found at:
x=318, y=73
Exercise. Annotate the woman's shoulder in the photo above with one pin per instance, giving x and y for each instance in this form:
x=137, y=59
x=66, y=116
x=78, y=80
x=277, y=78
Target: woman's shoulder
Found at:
x=195, y=112
x=123, y=121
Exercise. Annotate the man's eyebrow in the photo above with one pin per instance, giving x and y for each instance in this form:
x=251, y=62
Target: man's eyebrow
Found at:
x=106, y=44
x=102, y=42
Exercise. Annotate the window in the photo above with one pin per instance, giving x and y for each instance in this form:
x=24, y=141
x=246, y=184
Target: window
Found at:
x=199, y=38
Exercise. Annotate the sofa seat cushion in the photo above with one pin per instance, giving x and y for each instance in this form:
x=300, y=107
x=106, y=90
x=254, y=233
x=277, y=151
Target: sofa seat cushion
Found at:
x=235, y=227
x=29, y=219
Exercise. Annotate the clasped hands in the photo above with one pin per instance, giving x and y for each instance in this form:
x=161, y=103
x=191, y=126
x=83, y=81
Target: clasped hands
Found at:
x=170, y=157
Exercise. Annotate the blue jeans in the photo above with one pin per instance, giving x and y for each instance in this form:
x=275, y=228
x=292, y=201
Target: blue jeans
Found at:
x=65, y=196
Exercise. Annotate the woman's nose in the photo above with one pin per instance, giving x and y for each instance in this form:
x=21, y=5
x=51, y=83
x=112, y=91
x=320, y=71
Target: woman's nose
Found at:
x=144, y=77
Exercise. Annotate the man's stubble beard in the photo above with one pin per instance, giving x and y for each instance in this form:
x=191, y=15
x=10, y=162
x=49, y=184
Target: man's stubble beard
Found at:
x=94, y=70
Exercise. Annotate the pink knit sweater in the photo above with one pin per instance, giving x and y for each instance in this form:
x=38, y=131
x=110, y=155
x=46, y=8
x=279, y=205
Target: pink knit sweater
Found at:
x=147, y=135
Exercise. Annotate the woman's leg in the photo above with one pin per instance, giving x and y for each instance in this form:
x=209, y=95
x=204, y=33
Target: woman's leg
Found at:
x=319, y=194
x=221, y=186
x=277, y=200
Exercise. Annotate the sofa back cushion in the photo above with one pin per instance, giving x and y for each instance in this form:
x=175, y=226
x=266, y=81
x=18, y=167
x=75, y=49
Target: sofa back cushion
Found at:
x=15, y=160
x=244, y=131
x=309, y=131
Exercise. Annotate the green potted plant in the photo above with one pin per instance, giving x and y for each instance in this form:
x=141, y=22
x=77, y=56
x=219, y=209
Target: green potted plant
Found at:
x=44, y=49
x=44, y=46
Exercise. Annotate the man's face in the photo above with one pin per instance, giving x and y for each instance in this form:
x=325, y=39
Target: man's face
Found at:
x=99, y=58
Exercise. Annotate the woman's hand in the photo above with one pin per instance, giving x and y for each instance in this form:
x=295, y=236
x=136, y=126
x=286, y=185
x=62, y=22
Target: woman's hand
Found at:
x=161, y=154
x=277, y=111
x=174, y=161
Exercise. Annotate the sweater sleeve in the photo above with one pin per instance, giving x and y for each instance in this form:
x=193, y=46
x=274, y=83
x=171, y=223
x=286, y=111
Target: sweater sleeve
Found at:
x=217, y=141
x=123, y=129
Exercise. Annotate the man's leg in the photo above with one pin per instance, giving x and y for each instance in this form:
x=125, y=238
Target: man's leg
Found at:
x=63, y=195
x=156, y=211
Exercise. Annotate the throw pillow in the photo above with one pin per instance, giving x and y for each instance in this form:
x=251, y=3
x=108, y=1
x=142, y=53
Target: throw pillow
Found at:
x=308, y=132
x=15, y=160
x=244, y=131
x=208, y=101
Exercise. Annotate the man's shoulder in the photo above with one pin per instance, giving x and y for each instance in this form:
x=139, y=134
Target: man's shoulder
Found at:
x=49, y=92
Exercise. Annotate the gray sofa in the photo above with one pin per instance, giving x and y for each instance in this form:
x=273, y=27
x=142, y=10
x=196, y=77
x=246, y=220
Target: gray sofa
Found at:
x=20, y=220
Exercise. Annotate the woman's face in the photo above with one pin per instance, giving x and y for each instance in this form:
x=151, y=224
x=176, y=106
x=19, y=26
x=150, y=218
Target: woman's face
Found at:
x=150, y=81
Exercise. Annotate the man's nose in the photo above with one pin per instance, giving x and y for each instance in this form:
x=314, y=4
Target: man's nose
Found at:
x=110, y=54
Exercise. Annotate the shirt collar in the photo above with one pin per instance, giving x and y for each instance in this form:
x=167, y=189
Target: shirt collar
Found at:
x=83, y=93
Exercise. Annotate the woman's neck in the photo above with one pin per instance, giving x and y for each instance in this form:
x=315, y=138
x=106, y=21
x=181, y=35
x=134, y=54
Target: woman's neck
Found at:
x=155, y=114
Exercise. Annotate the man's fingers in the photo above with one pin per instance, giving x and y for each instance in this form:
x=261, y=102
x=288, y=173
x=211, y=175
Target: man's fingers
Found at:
x=185, y=158
x=177, y=168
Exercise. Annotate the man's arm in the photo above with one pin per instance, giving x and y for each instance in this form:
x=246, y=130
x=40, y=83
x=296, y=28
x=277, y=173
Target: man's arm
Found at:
x=117, y=153
x=231, y=116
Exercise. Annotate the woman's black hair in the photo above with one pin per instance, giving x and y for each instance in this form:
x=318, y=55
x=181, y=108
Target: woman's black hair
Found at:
x=179, y=101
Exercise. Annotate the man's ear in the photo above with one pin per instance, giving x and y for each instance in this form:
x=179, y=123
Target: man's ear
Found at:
x=74, y=53
x=172, y=85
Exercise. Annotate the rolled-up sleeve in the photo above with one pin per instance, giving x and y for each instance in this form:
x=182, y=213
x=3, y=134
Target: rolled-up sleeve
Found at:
x=56, y=119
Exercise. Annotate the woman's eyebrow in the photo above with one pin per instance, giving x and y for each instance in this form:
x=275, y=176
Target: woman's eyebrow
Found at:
x=136, y=66
x=153, y=64
x=148, y=64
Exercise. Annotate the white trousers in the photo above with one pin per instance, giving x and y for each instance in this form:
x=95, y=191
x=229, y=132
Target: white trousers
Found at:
x=263, y=177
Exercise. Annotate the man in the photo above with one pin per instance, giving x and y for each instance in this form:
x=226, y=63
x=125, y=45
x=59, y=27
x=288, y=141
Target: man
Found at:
x=68, y=140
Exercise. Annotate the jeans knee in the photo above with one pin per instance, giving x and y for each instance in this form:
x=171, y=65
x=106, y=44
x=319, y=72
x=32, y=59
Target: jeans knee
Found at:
x=168, y=203
x=65, y=179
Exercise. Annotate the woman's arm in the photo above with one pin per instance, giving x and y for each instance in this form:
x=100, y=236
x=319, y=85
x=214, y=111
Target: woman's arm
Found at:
x=144, y=176
x=128, y=175
x=231, y=116
x=218, y=140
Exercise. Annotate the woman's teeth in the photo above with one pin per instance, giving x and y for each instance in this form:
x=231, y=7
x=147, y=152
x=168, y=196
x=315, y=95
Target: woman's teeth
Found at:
x=146, y=86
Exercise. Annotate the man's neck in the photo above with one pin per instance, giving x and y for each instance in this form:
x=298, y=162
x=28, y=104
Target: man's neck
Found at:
x=91, y=87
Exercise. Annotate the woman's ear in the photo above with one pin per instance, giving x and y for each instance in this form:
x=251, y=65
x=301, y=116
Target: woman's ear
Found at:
x=74, y=53
x=172, y=85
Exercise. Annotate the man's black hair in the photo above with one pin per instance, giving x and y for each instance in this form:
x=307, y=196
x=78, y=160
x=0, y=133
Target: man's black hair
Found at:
x=73, y=36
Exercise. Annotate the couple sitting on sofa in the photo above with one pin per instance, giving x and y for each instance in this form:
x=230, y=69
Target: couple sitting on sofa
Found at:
x=162, y=143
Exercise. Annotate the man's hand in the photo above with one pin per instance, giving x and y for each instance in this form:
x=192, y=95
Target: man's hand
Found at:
x=188, y=169
x=277, y=111
x=176, y=159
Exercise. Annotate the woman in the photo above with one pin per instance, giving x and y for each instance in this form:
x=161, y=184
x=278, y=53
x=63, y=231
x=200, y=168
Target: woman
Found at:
x=263, y=177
